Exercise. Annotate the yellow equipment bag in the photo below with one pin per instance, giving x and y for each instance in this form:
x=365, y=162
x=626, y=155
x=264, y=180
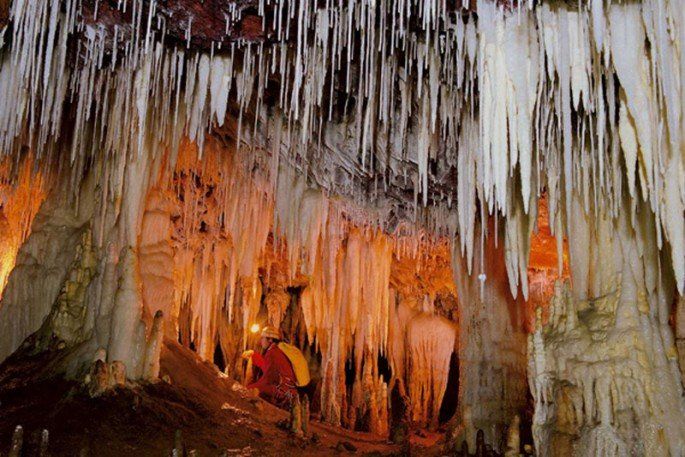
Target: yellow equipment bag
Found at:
x=299, y=363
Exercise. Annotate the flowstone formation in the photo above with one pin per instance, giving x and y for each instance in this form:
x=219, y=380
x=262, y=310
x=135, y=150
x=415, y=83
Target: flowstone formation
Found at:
x=604, y=370
x=492, y=352
x=20, y=199
x=372, y=178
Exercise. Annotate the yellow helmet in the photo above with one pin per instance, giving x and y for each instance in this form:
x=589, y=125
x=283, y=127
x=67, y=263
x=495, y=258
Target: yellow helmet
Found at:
x=271, y=332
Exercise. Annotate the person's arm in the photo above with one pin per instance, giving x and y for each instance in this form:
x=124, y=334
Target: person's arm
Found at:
x=259, y=361
x=270, y=376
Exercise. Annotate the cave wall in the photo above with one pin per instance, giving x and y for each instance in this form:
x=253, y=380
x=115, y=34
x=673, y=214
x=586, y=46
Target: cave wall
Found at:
x=43, y=263
x=604, y=368
x=76, y=285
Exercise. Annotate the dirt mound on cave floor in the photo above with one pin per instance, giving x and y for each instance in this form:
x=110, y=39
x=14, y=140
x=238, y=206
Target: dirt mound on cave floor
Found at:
x=142, y=420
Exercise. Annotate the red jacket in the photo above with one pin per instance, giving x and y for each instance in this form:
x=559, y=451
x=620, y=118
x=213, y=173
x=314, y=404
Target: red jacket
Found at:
x=277, y=383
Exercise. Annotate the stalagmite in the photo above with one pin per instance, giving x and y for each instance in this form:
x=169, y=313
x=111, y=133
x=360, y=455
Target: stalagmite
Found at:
x=154, y=347
x=513, y=438
x=468, y=431
x=482, y=449
x=98, y=381
x=178, y=449
x=44, y=441
x=17, y=442
x=305, y=407
x=127, y=336
x=117, y=371
x=296, y=417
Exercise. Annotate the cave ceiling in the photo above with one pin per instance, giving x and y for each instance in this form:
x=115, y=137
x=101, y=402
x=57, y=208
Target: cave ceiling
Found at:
x=426, y=112
x=213, y=26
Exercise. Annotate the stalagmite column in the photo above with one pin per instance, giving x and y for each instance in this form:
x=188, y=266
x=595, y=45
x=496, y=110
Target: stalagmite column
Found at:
x=492, y=345
x=117, y=372
x=513, y=438
x=127, y=331
x=126, y=337
x=99, y=378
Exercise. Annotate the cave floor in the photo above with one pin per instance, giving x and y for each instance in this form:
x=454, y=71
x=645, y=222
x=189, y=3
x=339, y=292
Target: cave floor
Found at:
x=142, y=420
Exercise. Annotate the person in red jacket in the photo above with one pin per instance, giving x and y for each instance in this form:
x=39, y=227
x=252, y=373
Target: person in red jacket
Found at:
x=277, y=384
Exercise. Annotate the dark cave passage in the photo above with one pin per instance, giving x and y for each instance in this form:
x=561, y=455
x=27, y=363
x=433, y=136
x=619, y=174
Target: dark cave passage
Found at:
x=451, y=399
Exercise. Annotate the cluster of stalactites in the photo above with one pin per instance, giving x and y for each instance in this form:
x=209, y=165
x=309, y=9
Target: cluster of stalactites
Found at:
x=206, y=231
x=515, y=101
x=597, y=95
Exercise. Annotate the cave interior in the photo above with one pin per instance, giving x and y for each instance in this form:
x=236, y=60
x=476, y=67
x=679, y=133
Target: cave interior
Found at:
x=468, y=216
